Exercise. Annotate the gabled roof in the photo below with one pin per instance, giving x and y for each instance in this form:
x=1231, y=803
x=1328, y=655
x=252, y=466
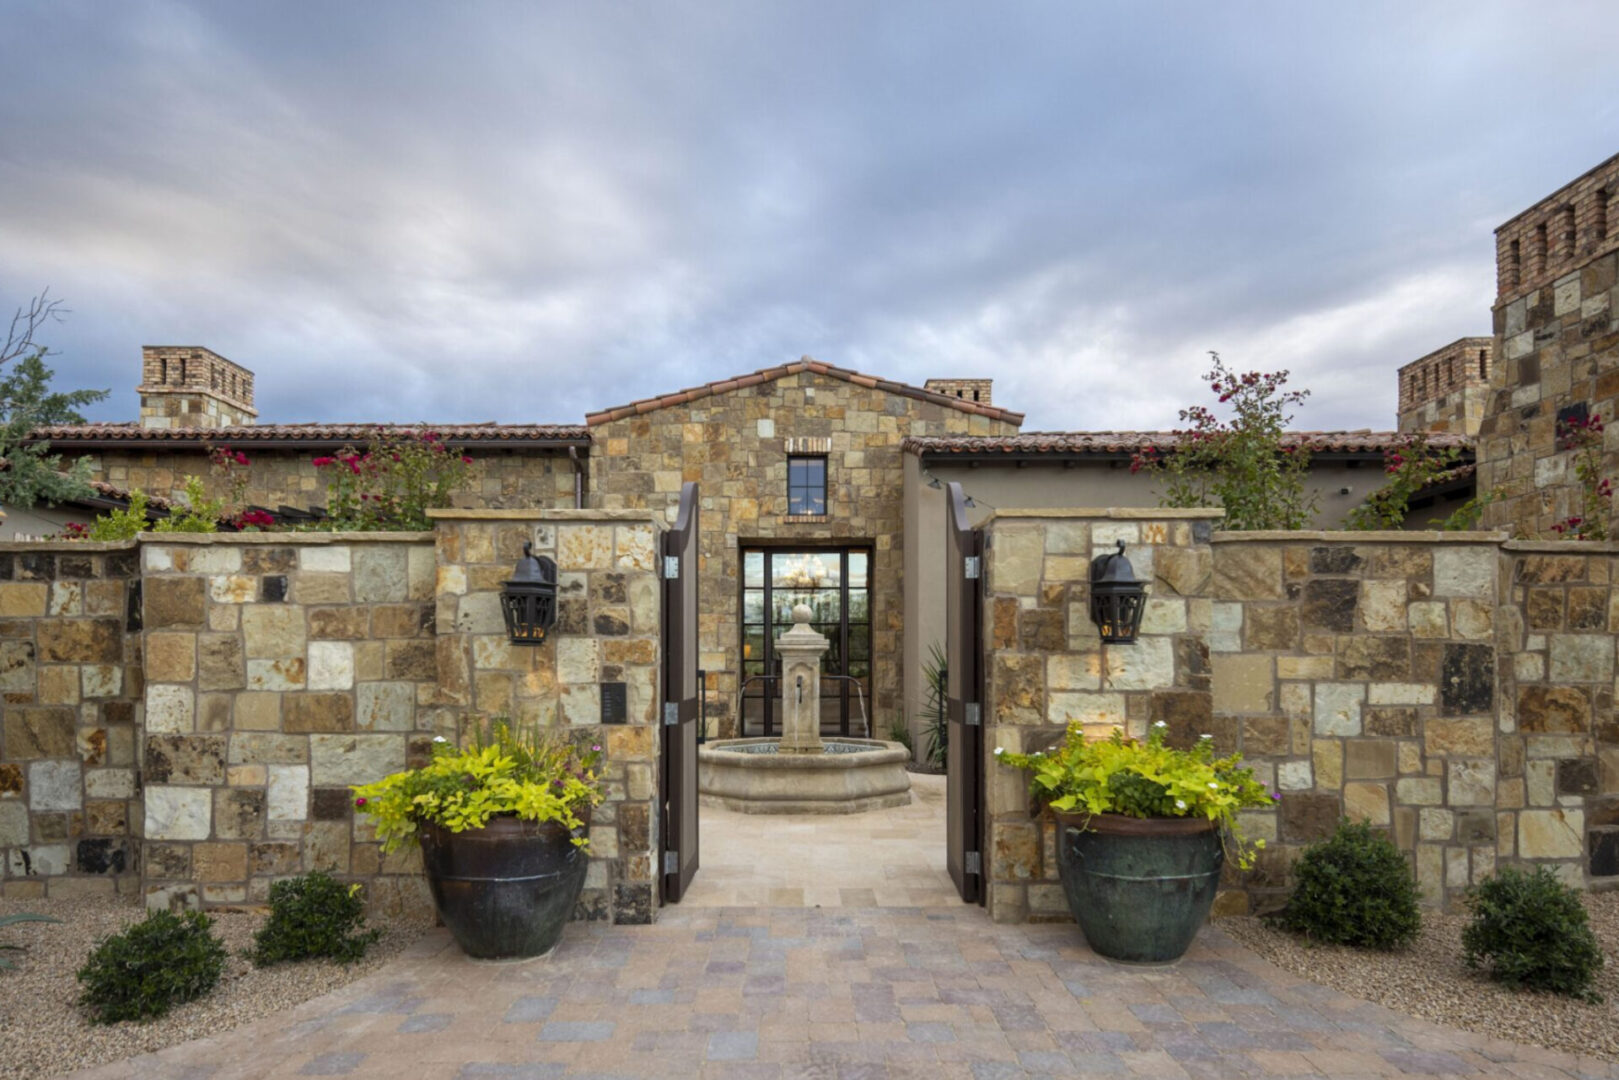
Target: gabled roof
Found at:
x=1125, y=443
x=764, y=375
x=310, y=436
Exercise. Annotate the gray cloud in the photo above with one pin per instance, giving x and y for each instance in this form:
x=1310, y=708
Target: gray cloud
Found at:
x=523, y=212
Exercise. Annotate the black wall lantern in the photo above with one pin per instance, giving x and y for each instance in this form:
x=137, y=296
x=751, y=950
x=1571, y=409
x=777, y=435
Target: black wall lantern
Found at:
x=1117, y=598
x=529, y=600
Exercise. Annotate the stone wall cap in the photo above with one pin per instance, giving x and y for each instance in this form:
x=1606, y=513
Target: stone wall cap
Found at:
x=88, y=546
x=282, y=539
x=1564, y=547
x=1358, y=536
x=456, y=513
x=1114, y=513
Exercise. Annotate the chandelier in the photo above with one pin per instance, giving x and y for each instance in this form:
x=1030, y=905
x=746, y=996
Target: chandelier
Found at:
x=804, y=572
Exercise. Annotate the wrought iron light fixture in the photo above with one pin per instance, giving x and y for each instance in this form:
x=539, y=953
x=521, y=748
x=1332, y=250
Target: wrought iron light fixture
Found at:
x=1117, y=598
x=529, y=599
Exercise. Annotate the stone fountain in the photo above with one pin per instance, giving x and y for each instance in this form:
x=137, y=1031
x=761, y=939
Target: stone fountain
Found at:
x=800, y=773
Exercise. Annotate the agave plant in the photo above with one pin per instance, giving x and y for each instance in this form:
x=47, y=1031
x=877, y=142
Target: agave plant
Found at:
x=20, y=917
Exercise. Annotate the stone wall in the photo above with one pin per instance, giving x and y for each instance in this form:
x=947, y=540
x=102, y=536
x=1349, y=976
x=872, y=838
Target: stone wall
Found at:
x=1047, y=666
x=1448, y=389
x=1455, y=689
x=1557, y=351
x=280, y=668
x=70, y=673
x=734, y=443
x=289, y=478
x=607, y=633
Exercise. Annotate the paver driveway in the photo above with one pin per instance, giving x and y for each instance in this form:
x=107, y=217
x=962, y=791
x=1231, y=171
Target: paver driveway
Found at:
x=837, y=994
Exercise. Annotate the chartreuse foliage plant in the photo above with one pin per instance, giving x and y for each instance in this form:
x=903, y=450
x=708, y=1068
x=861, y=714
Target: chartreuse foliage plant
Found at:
x=1530, y=930
x=1354, y=888
x=534, y=775
x=313, y=916
x=1120, y=775
x=160, y=962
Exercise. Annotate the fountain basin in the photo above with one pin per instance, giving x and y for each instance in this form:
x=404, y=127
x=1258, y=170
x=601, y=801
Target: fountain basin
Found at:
x=752, y=776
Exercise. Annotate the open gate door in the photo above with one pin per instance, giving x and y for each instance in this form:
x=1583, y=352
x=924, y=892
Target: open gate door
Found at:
x=677, y=774
x=964, y=565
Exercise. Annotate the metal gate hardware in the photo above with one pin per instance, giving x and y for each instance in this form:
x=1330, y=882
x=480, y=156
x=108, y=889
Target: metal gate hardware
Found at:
x=974, y=714
x=671, y=862
x=671, y=714
x=972, y=566
x=974, y=863
x=671, y=567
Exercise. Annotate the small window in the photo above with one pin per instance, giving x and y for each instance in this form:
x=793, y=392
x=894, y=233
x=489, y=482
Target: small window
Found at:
x=806, y=485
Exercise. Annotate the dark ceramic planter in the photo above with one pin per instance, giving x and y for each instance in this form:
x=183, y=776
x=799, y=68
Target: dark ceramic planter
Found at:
x=1139, y=887
x=506, y=890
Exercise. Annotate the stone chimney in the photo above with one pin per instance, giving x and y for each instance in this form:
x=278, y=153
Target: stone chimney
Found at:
x=1448, y=389
x=966, y=389
x=185, y=386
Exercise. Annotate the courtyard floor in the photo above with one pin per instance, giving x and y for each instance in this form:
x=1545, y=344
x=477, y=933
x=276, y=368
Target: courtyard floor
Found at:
x=848, y=964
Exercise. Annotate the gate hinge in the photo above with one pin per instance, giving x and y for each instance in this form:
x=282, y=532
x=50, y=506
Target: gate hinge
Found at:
x=671, y=714
x=671, y=862
x=974, y=714
x=671, y=567
x=973, y=567
x=972, y=864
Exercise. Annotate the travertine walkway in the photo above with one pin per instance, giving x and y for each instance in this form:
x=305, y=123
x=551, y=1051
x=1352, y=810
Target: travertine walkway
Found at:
x=837, y=994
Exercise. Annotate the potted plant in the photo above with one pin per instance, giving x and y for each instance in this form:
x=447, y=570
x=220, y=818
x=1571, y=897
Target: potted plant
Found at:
x=503, y=824
x=1145, y=830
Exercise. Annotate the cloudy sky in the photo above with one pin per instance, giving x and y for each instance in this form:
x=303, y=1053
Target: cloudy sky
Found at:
x=524, y=211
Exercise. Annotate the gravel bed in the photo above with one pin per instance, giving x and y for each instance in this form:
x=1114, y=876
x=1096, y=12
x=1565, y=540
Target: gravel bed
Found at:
x=44, y=1033
x=1431, y=981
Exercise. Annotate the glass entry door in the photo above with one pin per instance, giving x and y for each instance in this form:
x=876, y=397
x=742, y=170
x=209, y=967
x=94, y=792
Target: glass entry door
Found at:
x=836, y=584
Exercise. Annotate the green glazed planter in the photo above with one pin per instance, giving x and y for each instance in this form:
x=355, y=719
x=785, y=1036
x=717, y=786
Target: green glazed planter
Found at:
x=1139, y=887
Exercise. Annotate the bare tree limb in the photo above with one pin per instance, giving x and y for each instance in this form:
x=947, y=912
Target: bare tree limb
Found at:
x=28, y=321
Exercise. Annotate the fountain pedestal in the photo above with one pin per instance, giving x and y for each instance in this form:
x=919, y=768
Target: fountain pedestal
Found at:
x=801, y=649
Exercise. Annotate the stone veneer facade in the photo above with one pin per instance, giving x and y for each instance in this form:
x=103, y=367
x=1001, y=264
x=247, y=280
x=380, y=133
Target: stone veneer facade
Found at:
x=1448, y=389
x=734, y=445
x=70, y=673
x=1455, y=690
x=1557, y=346
x=185, y=386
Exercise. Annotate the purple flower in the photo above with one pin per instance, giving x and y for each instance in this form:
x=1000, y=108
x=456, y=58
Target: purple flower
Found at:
x=596, y=747
x=1276, y=796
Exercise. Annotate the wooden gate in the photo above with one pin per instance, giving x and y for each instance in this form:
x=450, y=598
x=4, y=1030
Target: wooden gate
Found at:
x=680, y=715
x=964, y=569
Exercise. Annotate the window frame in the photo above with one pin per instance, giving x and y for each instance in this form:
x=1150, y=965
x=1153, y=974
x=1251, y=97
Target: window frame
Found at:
x=800, y=497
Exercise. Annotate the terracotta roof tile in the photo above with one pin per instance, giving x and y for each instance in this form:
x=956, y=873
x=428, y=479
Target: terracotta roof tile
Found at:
x=1131, y=442
x=737, y=382
x=311, y=434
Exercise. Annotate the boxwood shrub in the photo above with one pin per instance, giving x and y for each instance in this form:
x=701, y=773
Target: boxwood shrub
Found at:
x=1530, y=930
x=1354, y=888
x=160, y=962
x=312, y=916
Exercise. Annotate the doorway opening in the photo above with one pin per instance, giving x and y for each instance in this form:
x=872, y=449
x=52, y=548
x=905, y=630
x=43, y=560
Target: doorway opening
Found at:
x=835, y=583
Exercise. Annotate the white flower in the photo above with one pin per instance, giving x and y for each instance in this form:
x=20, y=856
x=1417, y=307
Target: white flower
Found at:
x=1205, y=735
x=440, y=738
x=1213, y=785
x=999, y=750
x=1160, y=724
x=1180, y=804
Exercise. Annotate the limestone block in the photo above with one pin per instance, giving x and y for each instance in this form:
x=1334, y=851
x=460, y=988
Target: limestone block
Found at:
x=1304, y=667
x=1464, y=571
x=331, y=665
x=66, y=598
x=1471, y=782
x=178, y=813
x=171, y=657
x=1419, y=791
x=287, y=793
x=1294, y=776
x=1379, y=693
x=266, y=748
x=109, y=783
x=578, y=661
x=1338, y=708
x=34, y=732
x=317, y=711
x=1382, y=606
x=334, y=558
x=1580, y=658
x=1366, y=801
x=451, y=581
x=101, y=680
x=54, y=785
x=1437, y=824
x=1184, y=571
x=14, y=824
x=44, y=861
x=381, y=573
x=579, y=547
x=1427, y=619
x=387, y=706
x=309, y=587
x=1242, y=683
x=581, y=704
x=170, y=709
x=1148, y=664
x=1163, y=617
x=220, y=665
x=1472, y=620
x=213, y=559
x=275, y=675
x=81, y=641
x=58, y=685
x=1016, y=560
x=274, y=631
x=1089, y=709
x=1540, y=782
x=1327, y=756
x=23, y=599
x=338, y=760
x=232, y=589
x=1465, y=737
x=1551, y=834
x=635, y=548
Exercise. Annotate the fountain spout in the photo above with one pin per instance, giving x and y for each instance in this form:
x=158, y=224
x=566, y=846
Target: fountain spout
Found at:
x=801, y=649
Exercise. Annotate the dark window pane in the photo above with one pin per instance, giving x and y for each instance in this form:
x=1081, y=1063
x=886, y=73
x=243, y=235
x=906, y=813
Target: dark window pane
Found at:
x=753, y=606
x=815, y=472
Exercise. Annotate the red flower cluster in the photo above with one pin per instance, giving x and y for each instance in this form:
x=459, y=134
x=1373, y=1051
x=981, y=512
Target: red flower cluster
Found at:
x=75, y=530
x=258, y=519
x=225, y=457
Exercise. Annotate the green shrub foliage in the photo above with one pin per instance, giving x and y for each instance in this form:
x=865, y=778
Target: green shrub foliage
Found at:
x=1530, y=930
x=1354, y=888
x=312, y=916
x=163, y=961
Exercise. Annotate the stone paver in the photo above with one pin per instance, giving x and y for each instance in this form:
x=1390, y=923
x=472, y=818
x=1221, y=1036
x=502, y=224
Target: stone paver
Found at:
x=938, y=993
